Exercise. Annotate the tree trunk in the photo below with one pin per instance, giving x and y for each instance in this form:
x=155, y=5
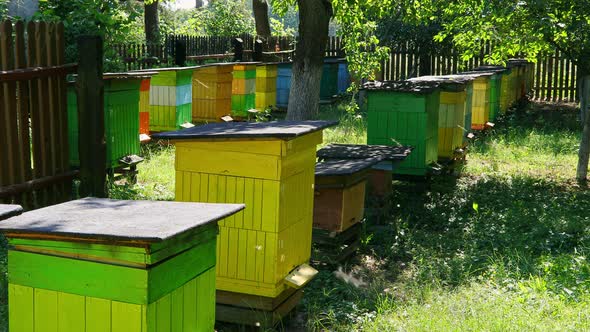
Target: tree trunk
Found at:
x=584, y=153
x=304, y=97
x=260, y=8
x=152, y=25
x=198, y=3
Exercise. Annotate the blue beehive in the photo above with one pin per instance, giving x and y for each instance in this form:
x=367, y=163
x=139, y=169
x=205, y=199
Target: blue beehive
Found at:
x=284, y=83
x=343, y=76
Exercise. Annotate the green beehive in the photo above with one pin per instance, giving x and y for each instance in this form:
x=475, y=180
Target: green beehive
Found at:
x=329, y=83
x=120, y=266
x=405, y=113
x=243, y=96
x=121, y=118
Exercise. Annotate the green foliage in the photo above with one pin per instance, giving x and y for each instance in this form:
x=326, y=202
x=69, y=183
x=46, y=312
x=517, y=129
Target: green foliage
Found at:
x=226, y=18
x=278, y=28
x=515, y=27
x=3, y=9
x=113, y=20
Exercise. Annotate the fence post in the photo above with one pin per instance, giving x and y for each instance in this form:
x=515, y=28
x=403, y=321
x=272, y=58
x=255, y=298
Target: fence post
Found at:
x=238, y=44
x=257, y=55
x=92, y=143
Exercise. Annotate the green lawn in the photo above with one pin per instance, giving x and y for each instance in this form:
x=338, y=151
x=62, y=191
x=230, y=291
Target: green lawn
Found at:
x=502, y=247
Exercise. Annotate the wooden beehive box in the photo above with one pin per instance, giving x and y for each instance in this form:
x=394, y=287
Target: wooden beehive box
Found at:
x=243, y=89
x=481, y=102
x=268, y=166
x=380, y=178
x=121, y=117
x=212, y=92
x=144, y=107
x=340, y=193
x=266, y=85
x=405, y=113
x=284, y=73
x=108, y=265
x=451, y=116
x=170, y=98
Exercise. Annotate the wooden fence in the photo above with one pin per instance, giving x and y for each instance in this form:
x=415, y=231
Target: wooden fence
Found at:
x=555, y=76
x=33, y=115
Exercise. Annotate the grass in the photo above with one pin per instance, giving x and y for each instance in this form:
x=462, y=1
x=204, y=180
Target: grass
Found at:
x=502, y=247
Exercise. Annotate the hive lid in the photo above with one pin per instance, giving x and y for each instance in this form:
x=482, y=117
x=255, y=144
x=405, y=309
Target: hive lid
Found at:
x=478, y=73
x=454, y=82
x=9, y=210
x=339, y=167
x=402, y=86
x=92, y=219
x=361, y=151
x=274, y=129
x=491, y=68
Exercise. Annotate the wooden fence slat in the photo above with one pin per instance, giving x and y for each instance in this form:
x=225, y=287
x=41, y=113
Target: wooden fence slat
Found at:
x=20, y=62
x=10, y=117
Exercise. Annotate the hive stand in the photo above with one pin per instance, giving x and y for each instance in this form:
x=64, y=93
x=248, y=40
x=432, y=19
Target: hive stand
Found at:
x=405, y=113
x=108, y=265
x=269, y=166
x=339, y=206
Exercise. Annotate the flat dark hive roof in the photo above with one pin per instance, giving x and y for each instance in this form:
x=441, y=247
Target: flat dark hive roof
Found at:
x=336, y=167
x=361, y=151
x=106, y=219
x=273, y=129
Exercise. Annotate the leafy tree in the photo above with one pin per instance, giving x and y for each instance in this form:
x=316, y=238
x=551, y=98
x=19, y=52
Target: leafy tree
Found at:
x=226, y=18
x=527, y=27
x=113, y=20
x=3, y=9
x=357, y=20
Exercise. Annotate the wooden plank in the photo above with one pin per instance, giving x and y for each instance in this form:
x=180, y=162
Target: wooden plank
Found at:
x=53, y=116
x=8, y=113
x=45, y=310
x=63, y=158
x=23, y=106
x=98, y=314
x=21, y=304
x=71, y=313
x=126, y=317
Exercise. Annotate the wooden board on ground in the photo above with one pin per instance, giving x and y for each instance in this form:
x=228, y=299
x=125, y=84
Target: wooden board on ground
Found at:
x=336, y=247
x=255, y=317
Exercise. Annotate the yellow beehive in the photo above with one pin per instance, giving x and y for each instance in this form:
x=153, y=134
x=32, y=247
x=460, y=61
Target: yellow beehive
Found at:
x=266, y=86
x=272, y=173
x=451, y=120
x=212, y=90
x=481, y=100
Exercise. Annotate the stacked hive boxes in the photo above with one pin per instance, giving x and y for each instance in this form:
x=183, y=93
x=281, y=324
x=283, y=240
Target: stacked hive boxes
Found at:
x=405, y=113
x=270, y=168
x=243, y=89
x=285, y=70
x=171, y=98
x=106, y=265
x=266, y=86
x=212, y=92
x=121, y=118
x=144, y=107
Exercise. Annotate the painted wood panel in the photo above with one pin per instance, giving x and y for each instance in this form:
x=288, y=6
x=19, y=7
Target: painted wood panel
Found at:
x=189, y=308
